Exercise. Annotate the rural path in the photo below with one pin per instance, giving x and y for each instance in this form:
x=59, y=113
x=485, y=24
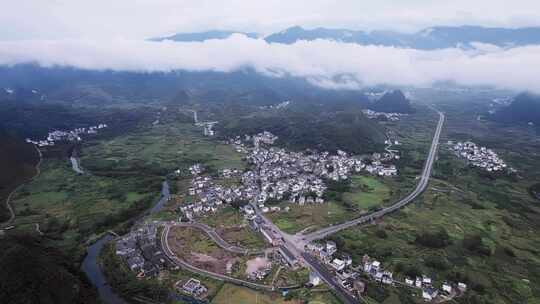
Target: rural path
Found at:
x=37, y=229
x=10, y=196
x=75, y=165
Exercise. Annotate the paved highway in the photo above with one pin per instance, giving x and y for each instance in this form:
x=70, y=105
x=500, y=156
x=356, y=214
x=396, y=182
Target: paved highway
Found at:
x=420, y=187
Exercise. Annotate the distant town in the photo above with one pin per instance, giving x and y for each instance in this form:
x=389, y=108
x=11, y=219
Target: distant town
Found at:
x=377, y=115
x=59, y=135
x=480, y=157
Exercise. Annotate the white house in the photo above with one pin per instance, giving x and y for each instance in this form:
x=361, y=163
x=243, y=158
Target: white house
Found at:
x=338, y=264
x=447, y=287
x=429, y=294
x=376, y=265
x=331, y=247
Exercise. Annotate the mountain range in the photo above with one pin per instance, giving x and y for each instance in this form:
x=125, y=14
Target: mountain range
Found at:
x=202, y=36
x=427, y=39
x=31, y=83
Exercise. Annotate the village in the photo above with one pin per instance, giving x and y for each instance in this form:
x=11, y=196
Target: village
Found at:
x=278, y=106
x=73, y=135
x=278, y=175
x=274, y=175
x=377, y=115
x=353, y=278
x=480, y=157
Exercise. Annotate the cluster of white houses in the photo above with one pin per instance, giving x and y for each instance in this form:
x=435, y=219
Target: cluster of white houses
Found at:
x=278, y=106
x=209, y=197
x=349, y=275
x=481, y=157
x=73, y=135
x=208, y=127
x=278, y=175
x=340, y=264
x=390, y=116
x=379, y=164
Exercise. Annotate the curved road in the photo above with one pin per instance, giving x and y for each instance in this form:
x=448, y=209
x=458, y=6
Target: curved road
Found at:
x=181, y=263
x=420, y=187
x=211, y=232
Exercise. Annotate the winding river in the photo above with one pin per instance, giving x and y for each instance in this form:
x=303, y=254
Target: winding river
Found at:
x=91, y=267
x=92, y=270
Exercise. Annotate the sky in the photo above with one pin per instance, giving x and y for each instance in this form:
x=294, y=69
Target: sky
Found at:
x=55, y=19
x=111, y=34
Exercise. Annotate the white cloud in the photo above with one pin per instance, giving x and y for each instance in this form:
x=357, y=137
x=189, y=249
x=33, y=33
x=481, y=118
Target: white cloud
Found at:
x=325, y=63
x=57, y=19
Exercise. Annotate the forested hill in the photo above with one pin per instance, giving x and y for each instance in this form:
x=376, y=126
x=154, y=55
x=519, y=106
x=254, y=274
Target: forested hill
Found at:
x=33, y=272
x=326, y=127
x=524, y=109
x=17, y=161
x=392, y=102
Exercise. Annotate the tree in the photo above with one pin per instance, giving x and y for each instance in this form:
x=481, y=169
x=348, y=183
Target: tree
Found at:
x=439, y=239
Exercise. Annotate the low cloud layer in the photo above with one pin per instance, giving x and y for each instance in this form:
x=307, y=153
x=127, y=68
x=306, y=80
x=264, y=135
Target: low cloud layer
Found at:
x=324, y=63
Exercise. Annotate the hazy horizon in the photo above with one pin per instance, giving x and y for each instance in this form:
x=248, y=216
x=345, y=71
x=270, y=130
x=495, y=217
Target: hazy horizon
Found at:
x=113, y=36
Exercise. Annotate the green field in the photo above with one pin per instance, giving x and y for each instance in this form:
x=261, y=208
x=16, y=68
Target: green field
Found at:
x=225, y=217
x=192, y=240
x=504, y=259
x=365, y=192
x=309, y=216
x=160, y=150
x=69, y=206
x=241, y=295
x=232, y=294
